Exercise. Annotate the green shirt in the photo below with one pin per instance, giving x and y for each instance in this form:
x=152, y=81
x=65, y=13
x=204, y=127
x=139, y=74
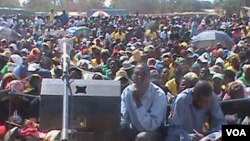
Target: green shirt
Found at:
x=5, y=69
x=245, y=81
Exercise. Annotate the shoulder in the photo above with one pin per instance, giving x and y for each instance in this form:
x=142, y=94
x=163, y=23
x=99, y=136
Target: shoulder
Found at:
x=184, y=96
x=215, y=98
x=127, y=91
x=157, y=90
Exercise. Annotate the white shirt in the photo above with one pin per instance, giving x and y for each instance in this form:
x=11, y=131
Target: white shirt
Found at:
x=152, y=113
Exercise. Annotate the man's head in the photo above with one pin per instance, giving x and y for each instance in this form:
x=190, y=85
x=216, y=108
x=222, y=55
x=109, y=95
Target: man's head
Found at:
x=217, y=80
x=204, y=73
x=114, y=65
x=141, y=76
x=202, y=94
x=236, y=90
x=46, y=63
x=104, y=54
x=75, y=73
x=229, y=76
x=188, y=81
x=246, y=69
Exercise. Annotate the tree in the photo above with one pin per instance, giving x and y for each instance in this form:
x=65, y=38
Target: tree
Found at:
x=157, y=6
x=9, y=3
x=230, y=6
x=184, y=6
x=68, y=5
x=85, y=5
x=141, y=6
x=206, y=4
x=39, y=5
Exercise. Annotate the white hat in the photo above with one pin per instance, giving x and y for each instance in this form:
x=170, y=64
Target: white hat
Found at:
x=33, y=67
x=83, y=62
x=126, y=65
x=191, y=50
x=203, y=59
x=16, y=59
x=241, y=44
x=220, y=61
x=25, y=50
x=14, y=46
x=3, y=40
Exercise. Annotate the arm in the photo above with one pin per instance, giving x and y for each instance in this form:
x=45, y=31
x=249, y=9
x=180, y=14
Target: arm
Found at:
x=152, y=119
x=124, y=112
x=217, y=117
x=175, y=130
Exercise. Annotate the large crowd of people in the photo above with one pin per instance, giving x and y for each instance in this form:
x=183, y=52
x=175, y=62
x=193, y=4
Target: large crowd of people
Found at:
x=153, y=58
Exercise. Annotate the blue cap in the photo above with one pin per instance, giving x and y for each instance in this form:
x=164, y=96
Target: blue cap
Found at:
x=87, y=57
x=159, y=66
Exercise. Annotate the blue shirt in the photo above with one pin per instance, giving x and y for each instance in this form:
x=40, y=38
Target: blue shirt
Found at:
x=64, y=18
x=150, y=115
x=194, y=29
x=186, y=117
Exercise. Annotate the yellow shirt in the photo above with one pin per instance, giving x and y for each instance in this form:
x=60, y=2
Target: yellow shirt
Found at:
x=94, y=63
x=151, y=34
x=248, y=35
x=51, y=17
x=172, y=87
x=113, y=34
x=171, y=70
x=120, y=36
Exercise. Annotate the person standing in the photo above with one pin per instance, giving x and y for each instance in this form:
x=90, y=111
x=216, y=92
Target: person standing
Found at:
x=51, y=16
x=143, y=108
x=64, y=18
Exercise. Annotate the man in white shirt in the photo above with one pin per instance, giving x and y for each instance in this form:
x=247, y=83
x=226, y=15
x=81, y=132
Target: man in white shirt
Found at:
x=143, y=108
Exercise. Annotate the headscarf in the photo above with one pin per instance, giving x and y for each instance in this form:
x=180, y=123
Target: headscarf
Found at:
x=20, y=71
x=16, y=85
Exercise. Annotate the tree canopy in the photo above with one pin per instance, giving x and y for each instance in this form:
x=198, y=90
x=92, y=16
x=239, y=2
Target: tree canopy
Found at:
x=133, y=6
x=230, y=6
x=69, y=5
x=9, y=3
x=161, y=6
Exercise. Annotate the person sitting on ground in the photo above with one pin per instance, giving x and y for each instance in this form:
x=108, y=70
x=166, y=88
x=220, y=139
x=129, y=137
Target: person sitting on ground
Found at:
x=191, y=109
x=143, y=108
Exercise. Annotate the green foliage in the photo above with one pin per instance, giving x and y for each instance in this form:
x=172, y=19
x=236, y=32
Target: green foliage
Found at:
x=230, y=6
x=68, y=5
x=142, y=6
x=157, y=6
x=39, y=5
x=9, y=3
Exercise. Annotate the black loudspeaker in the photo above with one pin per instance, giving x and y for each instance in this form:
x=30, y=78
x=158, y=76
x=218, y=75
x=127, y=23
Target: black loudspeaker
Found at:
x=241, y=107
x=94, y=105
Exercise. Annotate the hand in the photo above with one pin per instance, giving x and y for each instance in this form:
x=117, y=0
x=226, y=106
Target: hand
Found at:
x=137, y=98
x=197, y=136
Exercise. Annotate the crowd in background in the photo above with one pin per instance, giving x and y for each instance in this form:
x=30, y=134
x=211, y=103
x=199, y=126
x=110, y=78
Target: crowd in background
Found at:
x=117, y=44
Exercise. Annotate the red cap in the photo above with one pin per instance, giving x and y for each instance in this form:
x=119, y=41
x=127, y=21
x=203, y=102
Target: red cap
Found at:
x=2, y=131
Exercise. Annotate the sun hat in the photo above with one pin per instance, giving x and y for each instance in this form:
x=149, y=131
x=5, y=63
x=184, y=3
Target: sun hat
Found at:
x=126, y=65
x=122, y=74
